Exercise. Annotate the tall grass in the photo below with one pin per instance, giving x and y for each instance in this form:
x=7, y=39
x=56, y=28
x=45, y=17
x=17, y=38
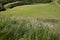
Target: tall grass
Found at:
x=21, y=28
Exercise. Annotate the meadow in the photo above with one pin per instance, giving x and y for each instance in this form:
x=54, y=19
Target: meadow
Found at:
x=50, y=10
x=28, y=28
x=31, y=22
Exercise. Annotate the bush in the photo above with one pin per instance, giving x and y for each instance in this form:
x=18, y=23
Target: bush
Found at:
x=1, y=7
x=45, y=1
x=58, y=1
x=14, y=4
x=38, y=1
x=30, y=1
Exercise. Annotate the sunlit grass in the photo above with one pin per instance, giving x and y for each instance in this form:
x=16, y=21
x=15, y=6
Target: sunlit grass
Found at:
x=50, y=10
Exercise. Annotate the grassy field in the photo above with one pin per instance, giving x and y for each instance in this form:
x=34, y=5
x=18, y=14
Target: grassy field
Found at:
x=28, y=22
x=17, y=28
x=50, y=10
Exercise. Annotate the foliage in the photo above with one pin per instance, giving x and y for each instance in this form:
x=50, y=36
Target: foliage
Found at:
x=3, y=2
x=58, y=1
x=14, y=4
x=1, y=7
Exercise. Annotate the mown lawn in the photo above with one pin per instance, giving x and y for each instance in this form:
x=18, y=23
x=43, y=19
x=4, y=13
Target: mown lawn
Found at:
x=50, y=10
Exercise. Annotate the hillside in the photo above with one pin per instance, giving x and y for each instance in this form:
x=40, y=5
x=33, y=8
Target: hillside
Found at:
x=36, y=21
x=50, y=10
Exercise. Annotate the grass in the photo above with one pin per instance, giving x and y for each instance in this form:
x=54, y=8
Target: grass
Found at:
x=14, y=25
x=50, y=10
x=16, y=28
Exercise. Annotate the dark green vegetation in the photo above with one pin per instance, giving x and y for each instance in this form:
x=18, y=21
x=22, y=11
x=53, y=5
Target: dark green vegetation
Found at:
x=28, y=28
x=23, y=2
x=58, y=1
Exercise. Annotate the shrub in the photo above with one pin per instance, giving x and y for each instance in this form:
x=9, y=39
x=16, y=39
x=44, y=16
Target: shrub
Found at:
x=1, y=7
x=13, y=4
x=43, y=1
x=58, y=1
